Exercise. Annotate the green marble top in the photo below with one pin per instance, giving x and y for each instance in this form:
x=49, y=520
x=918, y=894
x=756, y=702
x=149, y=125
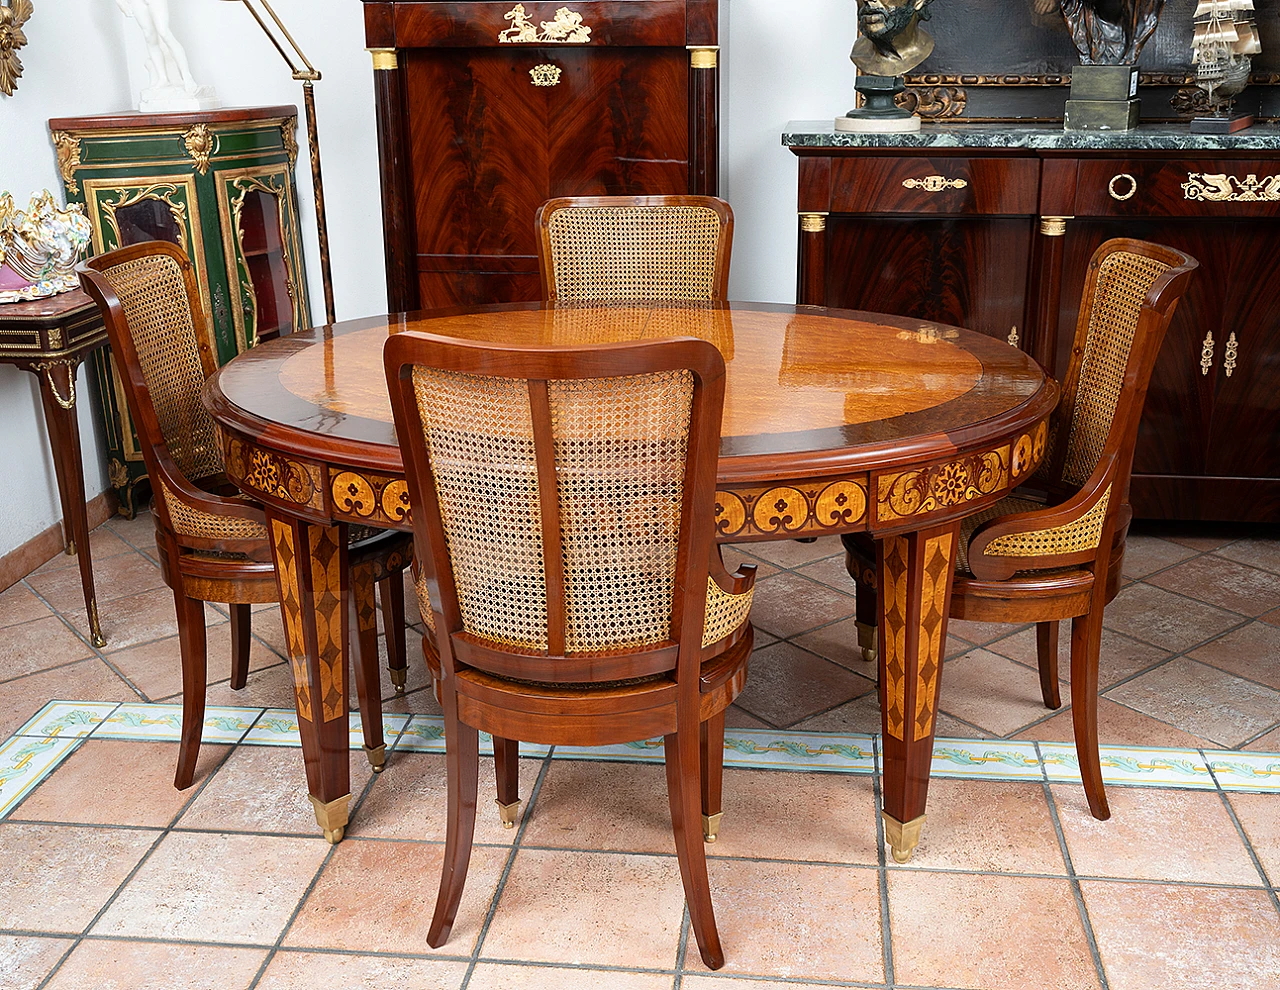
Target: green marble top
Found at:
x=1035, y=137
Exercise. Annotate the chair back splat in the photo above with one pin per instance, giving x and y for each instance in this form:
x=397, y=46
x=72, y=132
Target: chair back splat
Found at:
x=635, y=248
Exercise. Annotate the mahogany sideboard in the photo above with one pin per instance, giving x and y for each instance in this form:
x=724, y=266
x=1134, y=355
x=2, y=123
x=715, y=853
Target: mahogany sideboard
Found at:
x=488, y=108
x=991, y=227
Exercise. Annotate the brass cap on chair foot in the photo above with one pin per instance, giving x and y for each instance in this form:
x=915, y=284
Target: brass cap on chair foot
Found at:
x=332, y=817
x=903, y=837
x=711, y=826
x=399, y=678
x=868, y=640
x=509, y=813
x=95, y=626
x=377, y=757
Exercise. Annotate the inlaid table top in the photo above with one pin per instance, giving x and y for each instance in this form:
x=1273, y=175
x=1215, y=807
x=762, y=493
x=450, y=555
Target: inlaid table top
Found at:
x=812, y=396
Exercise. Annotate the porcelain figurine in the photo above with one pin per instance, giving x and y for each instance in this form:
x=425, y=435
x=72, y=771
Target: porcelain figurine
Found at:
x=39, y=247
x=172, y=88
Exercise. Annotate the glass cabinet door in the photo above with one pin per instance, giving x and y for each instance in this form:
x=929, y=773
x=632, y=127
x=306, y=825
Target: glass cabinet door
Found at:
x=263, y=251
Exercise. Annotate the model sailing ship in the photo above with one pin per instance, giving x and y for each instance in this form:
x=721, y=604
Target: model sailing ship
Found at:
x=1222, y=50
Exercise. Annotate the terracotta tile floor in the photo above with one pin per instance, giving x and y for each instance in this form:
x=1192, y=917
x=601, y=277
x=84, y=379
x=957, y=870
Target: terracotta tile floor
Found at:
x=109, y=878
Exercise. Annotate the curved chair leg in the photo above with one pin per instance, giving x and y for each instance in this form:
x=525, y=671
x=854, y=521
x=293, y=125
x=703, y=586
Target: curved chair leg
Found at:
x=860, y=562
x=506, y=765
x=462, y=760
x=191, y=644
x=682, y=753
x=241, y=625
x=391, y=591
x=364, y=619
x=1086, y=639
x=711, y=756
x=1047, y=658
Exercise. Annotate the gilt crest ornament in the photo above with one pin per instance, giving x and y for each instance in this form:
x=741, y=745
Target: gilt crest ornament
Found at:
x=13, y=14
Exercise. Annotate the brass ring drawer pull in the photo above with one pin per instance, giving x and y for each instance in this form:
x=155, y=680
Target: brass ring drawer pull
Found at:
x=935, y=183
x=1118, y=196
x=545, y=75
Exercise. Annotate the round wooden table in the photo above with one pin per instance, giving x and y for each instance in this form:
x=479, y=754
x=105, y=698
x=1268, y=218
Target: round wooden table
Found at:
x=834, y=422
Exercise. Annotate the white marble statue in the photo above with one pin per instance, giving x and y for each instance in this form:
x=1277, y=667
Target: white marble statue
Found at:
x=172, y=85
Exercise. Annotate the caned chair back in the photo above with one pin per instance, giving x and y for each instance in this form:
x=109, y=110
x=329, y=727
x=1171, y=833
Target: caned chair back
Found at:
x=563, y=500
x=150, y=303
x=635, y=248
x=1130, y=294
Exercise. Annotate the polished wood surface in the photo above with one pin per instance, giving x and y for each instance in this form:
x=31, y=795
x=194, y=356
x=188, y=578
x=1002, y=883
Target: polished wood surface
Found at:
x=834, y=422
x=50, y=338
x=470, y=146
x=820, y=391
x=132, y=120
x=995, y=258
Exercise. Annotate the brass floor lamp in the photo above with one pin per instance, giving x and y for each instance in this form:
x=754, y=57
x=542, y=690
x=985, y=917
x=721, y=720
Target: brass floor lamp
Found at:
x=308, y=75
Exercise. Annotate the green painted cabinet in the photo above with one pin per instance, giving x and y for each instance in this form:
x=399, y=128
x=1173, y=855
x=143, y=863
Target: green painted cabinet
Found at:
x=220, y=184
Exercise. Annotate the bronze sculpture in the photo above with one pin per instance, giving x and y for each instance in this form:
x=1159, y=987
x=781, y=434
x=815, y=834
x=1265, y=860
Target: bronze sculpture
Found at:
x=1107, y=32
x=891, y=42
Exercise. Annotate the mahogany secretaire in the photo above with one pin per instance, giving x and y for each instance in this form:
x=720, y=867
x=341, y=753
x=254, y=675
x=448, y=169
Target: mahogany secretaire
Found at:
x=488, y=109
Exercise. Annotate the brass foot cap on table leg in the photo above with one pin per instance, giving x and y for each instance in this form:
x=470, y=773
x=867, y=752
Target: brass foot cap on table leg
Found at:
x=711, y=826
x=399, y=678
x=377, y=757
x=868, y=639
x=332, y=817
x=903, y=837
x=508, y=813
x=71, y=548
x=95, y=627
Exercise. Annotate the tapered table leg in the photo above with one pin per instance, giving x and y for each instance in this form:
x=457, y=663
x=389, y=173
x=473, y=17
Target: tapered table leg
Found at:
x=916, y=572
x=312, y=572
x=58, y=394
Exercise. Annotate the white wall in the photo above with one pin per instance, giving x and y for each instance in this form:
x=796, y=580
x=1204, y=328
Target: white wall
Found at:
x=778, y=63
x=71, y=65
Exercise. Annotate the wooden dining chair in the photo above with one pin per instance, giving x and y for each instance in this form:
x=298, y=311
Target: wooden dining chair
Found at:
x=635, y=248
x=212, y=540
x=1056, y=554
x=564, y=521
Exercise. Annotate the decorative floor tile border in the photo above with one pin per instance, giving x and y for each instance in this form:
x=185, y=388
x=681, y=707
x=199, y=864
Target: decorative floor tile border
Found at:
x=60, y=727
x=25, y=761
x=1134, y=765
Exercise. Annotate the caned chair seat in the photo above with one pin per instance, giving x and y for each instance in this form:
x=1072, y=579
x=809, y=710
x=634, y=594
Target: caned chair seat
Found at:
x=1007, y=506
x=213, y=540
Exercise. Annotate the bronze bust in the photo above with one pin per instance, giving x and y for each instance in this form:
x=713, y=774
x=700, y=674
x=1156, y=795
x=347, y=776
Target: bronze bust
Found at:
x=1107, y=32
x=891, y=42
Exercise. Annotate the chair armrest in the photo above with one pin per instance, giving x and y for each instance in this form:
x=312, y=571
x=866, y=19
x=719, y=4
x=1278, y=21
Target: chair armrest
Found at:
x=737, y=583
x=1057, y=536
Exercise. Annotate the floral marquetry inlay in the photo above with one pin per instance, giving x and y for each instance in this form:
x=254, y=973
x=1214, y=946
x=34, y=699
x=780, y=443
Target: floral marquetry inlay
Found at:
x=941, y=486
x=270, y=474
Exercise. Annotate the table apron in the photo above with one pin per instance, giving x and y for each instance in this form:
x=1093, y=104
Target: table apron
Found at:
x=884, y=503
